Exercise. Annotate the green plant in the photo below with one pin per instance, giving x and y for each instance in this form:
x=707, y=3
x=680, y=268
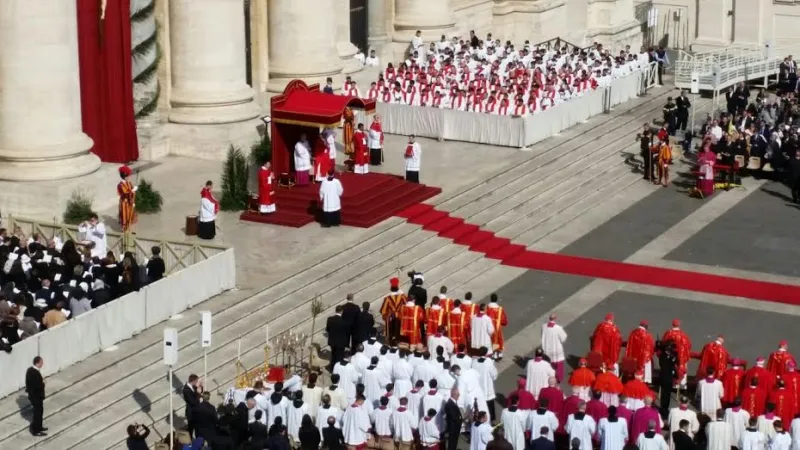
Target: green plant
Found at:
x=148, y=200
x=234, y=181
x=79, y=208
x=261, y=151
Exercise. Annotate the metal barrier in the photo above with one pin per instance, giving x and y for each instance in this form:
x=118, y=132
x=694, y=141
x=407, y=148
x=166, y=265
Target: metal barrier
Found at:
x=557, y=44
x=176, y=255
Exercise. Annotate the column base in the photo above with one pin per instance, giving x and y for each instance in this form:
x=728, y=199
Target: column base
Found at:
x=213, y=107
x=79, y=161
x=47, y=200
x=347, y=51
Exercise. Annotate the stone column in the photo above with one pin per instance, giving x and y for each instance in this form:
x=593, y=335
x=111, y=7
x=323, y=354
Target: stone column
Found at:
x=259, y=43
x=209, y=84
x=302, y=42
x=41, y=135
x=433, y=18
x=715, y=25
x=344, y=47
x=378, y=39
x=747, y=23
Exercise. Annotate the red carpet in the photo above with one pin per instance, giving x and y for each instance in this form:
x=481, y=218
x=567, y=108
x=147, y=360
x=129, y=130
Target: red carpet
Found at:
x=516, y=255
x=367, y=200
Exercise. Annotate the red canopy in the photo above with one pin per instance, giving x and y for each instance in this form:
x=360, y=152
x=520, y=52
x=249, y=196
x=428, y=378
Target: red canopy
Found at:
x=305, y=109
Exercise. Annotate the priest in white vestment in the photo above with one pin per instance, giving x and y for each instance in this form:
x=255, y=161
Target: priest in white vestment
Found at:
x=401, y=373
x=612, y=431
x=752, y=439
x=403, y=423
x=294, y=415
x=337, y=393
x=718, y=434
x=445, y=379
x=312, y=395
x=327, y=410
x=766, y=422
x=360, y=360
x=348, y=377
x=481, y=330
x=439, y=339
x=330, y=193
x=581, y=426
x=514, y=421
x=481, y=433
x=537, y=373
x=487, y=375
x=553, y=339
x=382, y=423
x=428, y=430
x=652, y=439
x=682, y=412
x=709, y=393
x=737, y=418
x=355, y=424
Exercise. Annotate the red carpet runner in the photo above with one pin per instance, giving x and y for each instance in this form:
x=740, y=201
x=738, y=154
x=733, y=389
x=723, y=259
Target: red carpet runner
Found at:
x=517, y=256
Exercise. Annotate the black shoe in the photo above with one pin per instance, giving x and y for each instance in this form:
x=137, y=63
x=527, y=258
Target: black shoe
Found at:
x=44, y=429
x=39, y=434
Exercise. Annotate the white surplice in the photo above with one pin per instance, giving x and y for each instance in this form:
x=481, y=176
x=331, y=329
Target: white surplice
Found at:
x=424, y=372
x=537, y=420
x=794, y=430
x=355, y=425
x=655, y=442
x=613, y=435
x=780, y=441
x=403, y=425
x=674, y=420
x=382, y=421
x=487, y=373
x=752, y=439
x=415, y=403
x=330, y=193
x=719, y=434
x=553, y=338
x=710, y=392
x=582, y=429
x=514, y=427
x=428, y=432
x=361, y=361
x=348, y=378
x=433, y=400
x=275, y=410
x=372, y=348
x=537, y=373
x=480, y=437
x=767, y=425
x=302, y=156
x=462, y=360
x=323, y=414
x=469, y=385
x=737, y=420
x=481, y=330
x=375, y=381
x=445, y=382
x=401, y=373
x=294, y=417
x=440, y=340
x=338, y=397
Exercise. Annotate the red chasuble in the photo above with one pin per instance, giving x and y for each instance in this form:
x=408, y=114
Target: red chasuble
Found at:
x=640, y=347
x=684, y=346
x=434, y=317
x=608, y=383
x=766, y=380
x=636, y=389
x=713, y=355
x=361, y=156
x=731, y=384
x=607, y=341
x=582, y=377
x=785, y=407
x=266, y=187
x=777, y=362
x=754, y=401
x=410, y=319
x=499, y=320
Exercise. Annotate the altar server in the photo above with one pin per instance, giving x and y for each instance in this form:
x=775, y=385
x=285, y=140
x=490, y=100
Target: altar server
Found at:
x=581, y=426
x=356, y=424
x=710, y=393
x=537, y=372
x=348, y=376
x=382, y=424
x=375, y=141
x=206, y=220
x=482, y=330
x=404, y=425
x=553, y=339
x=680, y=414
x=330, y=194
x=429, y=431
x=514, y=421
x=375, y=381
x=327, y=410
x=294, y=415
x=487, y=373
x=413, y=157
x=612, y=431
x=651, y=439
x=481, y=433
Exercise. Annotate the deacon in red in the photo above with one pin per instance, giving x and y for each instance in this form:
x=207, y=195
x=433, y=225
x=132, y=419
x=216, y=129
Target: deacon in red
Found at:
x=498, y=315
x=779, y=358
x=361, y=151
x=458, y=325
x=715, y=356
x=640, y=348
x=732, y=382
x=434, y=318
x=754, y=398
x=766, y=380
x=411, y=316
x=792, y=381
x=783, y=399
x=683, y=346
x=607, y=341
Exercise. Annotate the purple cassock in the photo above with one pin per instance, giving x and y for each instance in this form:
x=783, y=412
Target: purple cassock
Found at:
x=570, y=407
x=640, y=419
x=624, y=413
x=555, y=400
x=597, y=409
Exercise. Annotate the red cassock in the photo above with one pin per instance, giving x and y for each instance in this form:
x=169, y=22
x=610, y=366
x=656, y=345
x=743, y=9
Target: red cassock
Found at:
x=785, y=406
x=555, y=400
x=446, y=304
x=597, y=410
x=525, y=399
x=607, y=341
x=791, y=380
x=458, y=328
x=360, y=148
x=570, y=407
x=640, y=347
x=322, y=158
x=777, y=362
x=608, y=383
x=582, y=377
x=713, y=355
x=636, y=389
x=766, y=380
x=470, y=310
x=434, y=317
x=754, y=401
x=411, y=316
x=266, y=187
x=731, y=384
x=499, y=320
x=684, y=346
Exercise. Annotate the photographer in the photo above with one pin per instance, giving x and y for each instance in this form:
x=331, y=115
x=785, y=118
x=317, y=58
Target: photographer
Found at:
x=416, y=290
x=137, y=437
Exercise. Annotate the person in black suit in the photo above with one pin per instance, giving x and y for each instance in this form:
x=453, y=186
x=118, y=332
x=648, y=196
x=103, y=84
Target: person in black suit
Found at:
x=338, y=336
x=364, y=324
x=240, y=428
x=667, y=364
x=542, y=442
x=416, y=290
x=191, y=395
x=452, y=420
x=34, y=386
x=681, y=438
x=682, y=113
x=332, y=437
x=259, y=433
x=794, y=177
x=350, y=313
x=205, y=419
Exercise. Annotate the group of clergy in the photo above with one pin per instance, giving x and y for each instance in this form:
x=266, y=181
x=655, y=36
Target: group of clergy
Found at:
x=497, y=79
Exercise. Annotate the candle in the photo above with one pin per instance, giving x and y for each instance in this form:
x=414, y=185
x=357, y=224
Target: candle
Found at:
x=239, y=351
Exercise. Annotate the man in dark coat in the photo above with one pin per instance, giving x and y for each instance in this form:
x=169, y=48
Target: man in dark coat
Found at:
x=332, y=437
x=350, y=313
x=681, y=439
x=191, y=395
x=542, y=442
x=667, y=364
x=794, y=177
x=364, y=324
x=338, y=335
x=499, y=441
x=34, y=386
x=452, y=420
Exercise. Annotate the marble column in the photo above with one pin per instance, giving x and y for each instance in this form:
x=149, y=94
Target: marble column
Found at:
x=715, y=24
x=433, y=18
x=302, y=42
x=41, y=135
x=259, y=43
x=344, y=47
x=209, y=84
x=378, y=34
x=748, y=23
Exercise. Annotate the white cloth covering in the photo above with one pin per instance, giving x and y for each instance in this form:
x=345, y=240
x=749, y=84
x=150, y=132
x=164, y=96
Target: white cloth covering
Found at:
x=355, y=425
x=582, y=429
x=330, y=193
x=613, y=435
x=537, y=373
x=514, y=426
x=553, y=338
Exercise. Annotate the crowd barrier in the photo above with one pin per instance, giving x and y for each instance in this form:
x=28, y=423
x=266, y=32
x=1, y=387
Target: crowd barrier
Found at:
x=520, y=132
x=89, y=333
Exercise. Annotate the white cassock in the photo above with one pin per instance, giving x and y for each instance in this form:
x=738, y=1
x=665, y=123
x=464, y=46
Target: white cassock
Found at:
x=330, y=192
x=424, y=372
x=582, y=429
x=428, y=432
x=613, y=435
x=553, y=338
x=718, y=433
x=394, y=401
x=382, y=421
x=385, y=364
x=372, y=348
x=795, y=432
x=275, y=410
x=433, y=400
x=361, y=362
x=375, y=381
x=480, y=437
x=487, y=375
x=710, y=393
x=482, y=330
x=781, y=441
x=323, y=414
x=348, y=377
x=443, y=341
x=338, y=397
x=674, y=420
x=514, y=426
x=654, y=441
x=302, y=156
x=752, y=439
x=537, y=420
x=445, y=382
x=96, y=234
x=468, y=384
x=401, y=373
x=313, y=398
x=461, y=360
x=415, y=403
x=403, y=425
x=294, y=417
x=537, y=374
x=737, y=420
x=766, y=425
x=355, y=425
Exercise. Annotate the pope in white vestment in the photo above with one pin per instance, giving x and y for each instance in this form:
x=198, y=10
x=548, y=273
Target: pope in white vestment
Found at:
x=752, y=439
x=302, y=161
x=514, y=426
x=613, y=435
x=537, y=373
x=581, y=426
x=482, y=330
x=355, y=425
x=719, y=435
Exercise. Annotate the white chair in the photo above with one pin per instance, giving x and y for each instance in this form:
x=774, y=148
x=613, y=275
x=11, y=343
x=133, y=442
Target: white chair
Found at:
x=754, y=163
x=767, y=168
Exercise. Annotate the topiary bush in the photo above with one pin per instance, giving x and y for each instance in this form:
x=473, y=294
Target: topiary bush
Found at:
x=148, y=200
x=234, y=181
x=79, y=208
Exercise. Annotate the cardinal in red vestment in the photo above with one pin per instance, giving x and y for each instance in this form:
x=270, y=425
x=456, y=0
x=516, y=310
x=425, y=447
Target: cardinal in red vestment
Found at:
x=582, y=380
x=609, y=385
x=266, y=189
x=779, y=358
x=498, y=315
x=607, y=341
x=732, y=382
x=754, y=398
x=713, y=355
x=766, y=380
x=783, y=399
x=458, y=326
x=683, y=347
x=360, y=151
x=640, y=348
x=411, y=316
x=526, y=401
x=792, y=381
x=636, y=389
x=552, y=398
x=571, y=404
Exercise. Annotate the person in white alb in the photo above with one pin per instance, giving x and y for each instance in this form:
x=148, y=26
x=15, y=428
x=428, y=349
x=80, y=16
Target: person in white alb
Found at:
x=356, y=424
x=719, y=433
x=737, y=419
x=381, y=418
x=330, y=194
x=553, y=339
x=752, y=439
x=710, y=392
x=417, y=44
x=302, y=161
x=612, y=431
x=481, y=330
x=581, y=426
x=541, y=418
x=514, y=421
x=781, y=440
x=537, y=373
x=651, y=439
x=352, y=90
x=679, y=414
x=439, y=339
x=327, y=410
x=372, y=60
x=413, y=157
x=375, y=141
x=487, y=375
x=404, y=424
x=95, y=233
x=481, y=433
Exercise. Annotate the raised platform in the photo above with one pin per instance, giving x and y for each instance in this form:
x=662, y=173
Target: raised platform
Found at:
x=367, y=200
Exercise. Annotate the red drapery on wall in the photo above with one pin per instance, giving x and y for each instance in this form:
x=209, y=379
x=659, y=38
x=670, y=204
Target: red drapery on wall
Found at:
x=106, y=79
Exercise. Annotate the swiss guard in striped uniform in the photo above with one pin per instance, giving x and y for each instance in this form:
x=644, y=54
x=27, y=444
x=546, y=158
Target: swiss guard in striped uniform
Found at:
x=390, y=311
x=498, y=315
